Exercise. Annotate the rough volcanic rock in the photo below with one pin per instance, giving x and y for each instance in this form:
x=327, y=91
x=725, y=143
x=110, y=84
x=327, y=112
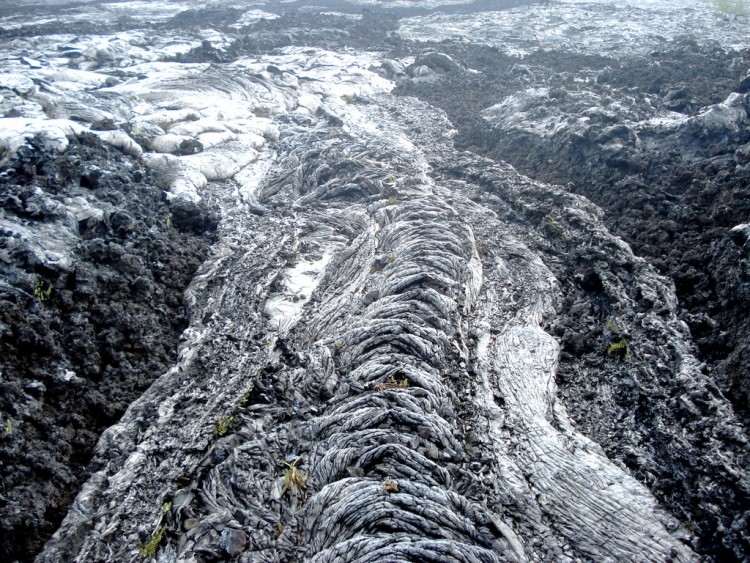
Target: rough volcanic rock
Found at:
x=396, y=346
x=90, y=313
x=328, y=406
x=672, y=188
x=672, y=184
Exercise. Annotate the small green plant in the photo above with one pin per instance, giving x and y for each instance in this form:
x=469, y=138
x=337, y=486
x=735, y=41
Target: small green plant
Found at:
x=149, y=548
x=553, y=228
x=392, y=199
x=294, y=479
x=390, y=486
x=619, y=347
x=734, y=7
x=8, y=427
x=349, y=98
x=42, y=294
x=391, y=384
x=338, y=346
x=169, y=221
x=223, y=424
x=391, y=257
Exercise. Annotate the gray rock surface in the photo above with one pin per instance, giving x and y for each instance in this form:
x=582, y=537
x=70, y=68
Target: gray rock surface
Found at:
x=392, y=350
x=403, y=403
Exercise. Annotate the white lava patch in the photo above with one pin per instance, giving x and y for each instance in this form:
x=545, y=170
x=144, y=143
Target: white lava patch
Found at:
x=297, y=284
x=594, y=27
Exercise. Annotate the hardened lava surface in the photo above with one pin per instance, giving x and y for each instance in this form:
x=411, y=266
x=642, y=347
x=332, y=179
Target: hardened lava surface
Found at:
x=273, y=290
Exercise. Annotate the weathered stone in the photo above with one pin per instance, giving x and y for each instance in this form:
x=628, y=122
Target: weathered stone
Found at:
x=233, y=542
x=372, y=366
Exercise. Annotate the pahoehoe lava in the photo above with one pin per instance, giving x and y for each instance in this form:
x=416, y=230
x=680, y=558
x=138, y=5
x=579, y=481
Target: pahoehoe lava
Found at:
x=273, y=290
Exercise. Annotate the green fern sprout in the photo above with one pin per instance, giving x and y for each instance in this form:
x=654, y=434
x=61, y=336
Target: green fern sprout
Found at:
x=223, y=424
x=42, y=294
x=149, y=548
x=553, y=228
x=621, y=346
